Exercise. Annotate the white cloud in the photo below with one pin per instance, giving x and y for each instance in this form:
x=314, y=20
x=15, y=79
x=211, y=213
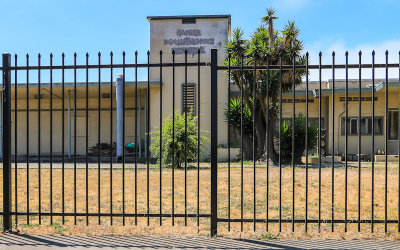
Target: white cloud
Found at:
x=340, y=47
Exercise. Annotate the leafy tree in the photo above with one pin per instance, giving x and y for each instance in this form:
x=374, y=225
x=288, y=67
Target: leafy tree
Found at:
x=265, y=44
x=176, y=147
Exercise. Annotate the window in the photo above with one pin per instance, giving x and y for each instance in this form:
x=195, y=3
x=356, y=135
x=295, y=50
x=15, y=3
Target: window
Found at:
x=393, y=125
x=191, y=98
x=366, y=126
x=297, y=100
x=355, y=99
x=188, y=20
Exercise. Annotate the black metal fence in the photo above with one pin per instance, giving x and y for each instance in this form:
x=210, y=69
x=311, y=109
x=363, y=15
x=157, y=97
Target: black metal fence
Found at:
x=279, y=204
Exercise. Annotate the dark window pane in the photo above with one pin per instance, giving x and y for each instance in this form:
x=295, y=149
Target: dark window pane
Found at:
x=393, y=125
x=369, y=126
x=379, y=126
x=353, y=126
x=363, y=126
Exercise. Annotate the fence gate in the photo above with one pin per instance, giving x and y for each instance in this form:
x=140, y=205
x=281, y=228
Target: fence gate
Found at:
x=83, y=144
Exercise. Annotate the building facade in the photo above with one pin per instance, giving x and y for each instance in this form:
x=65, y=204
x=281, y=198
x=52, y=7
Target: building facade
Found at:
x=192, y=34
x=167, y=33
x=334, y=123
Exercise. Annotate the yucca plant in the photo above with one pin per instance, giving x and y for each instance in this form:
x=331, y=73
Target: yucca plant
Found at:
x=279, y=46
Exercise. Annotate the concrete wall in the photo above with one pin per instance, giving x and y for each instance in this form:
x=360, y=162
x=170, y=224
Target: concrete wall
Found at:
x=81, y=121
x=207, y=28
x=353, y=111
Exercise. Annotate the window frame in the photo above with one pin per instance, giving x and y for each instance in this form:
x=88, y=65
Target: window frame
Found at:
x=355, y=118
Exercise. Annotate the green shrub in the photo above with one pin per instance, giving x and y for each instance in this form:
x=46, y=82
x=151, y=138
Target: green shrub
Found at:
x=233, y=114
x=176, y=147
x=299, y=138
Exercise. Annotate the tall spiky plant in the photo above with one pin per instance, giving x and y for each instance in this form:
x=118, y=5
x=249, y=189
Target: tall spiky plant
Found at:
x=265, y=42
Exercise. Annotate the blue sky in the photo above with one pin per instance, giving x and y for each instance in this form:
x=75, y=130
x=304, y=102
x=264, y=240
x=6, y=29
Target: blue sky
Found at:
x=98, y=25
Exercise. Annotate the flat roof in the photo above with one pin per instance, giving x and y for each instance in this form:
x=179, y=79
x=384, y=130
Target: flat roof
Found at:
x=83, y=84
x=313, y=92
x=187, y=16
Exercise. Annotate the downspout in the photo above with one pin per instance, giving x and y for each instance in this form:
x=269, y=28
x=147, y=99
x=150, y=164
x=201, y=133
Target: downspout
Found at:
x=120, y=118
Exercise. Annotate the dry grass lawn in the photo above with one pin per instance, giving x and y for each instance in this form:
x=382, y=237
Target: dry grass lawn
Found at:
x=203, y=229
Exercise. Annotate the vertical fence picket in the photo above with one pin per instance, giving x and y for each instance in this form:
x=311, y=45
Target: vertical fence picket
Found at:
x=346, y=142
x=229, y=143
x=62, y=138
x=185, y=109
x=51, y=138
x=306, y=145
x=75, y=155
x=136, y=130
x=241, y=143
x=319, y=139
x=359, y=144
x=198, y=139
x=280, y=143
x=333, y=146
x=173, y=140
x=16, y=140
x=111, y=140
x=87, y=139
x=148, y=138
x=7, y=184
x=267, y=144
x=123, y=137
x=161, y=139
x=373, y=144
x=293, y=137
x=39, y=144
x=386, y=134
x=27, y=140
x=99, y=139
x=214, y=141
x=254, y=141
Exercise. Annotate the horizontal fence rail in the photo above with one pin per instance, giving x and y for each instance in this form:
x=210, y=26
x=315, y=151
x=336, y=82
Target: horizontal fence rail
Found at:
x=300, y=154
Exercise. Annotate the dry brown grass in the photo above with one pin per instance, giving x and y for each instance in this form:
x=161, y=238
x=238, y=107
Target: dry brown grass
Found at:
x=192, y=229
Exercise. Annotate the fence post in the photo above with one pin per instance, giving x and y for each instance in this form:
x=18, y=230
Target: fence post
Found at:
x=6, y=142
x=214, y=142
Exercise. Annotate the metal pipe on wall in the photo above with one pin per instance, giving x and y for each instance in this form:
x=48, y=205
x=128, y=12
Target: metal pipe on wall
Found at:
x=120, y=118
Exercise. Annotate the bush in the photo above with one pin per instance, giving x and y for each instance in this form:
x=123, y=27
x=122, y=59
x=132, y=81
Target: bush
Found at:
x=299, y=138
x=178, y=145
x=233, y=113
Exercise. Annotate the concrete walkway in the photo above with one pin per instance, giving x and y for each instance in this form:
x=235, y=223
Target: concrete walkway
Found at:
x=28, y=242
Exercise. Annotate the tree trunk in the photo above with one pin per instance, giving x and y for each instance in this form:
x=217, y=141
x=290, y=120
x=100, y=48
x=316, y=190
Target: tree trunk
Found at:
x=247, y=147
x=260, y=127
x=273, y=155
